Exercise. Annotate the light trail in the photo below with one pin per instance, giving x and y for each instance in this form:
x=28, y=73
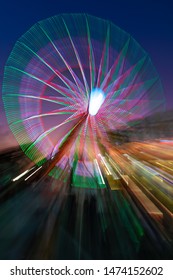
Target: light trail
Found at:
x=33, y=173
x=22, y=174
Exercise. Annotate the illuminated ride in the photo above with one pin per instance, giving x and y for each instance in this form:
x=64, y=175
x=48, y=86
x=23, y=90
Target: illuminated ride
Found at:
x=69, y=80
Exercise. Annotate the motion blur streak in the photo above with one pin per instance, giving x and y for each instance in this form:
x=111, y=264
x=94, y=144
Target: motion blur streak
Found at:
x=132, y=208
x=93, y=177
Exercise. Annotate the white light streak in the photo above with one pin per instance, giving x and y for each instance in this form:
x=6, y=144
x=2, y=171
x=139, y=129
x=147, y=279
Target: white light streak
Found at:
x=33, y=173
x=21, y=175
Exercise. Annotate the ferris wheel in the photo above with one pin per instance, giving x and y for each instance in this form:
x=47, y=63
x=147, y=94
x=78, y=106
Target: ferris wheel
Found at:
x=74, y=67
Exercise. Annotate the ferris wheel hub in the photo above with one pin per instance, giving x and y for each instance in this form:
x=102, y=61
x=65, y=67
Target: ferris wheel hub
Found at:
x=97, y=98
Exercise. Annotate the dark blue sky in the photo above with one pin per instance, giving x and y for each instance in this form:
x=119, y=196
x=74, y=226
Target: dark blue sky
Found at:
x=150, y=22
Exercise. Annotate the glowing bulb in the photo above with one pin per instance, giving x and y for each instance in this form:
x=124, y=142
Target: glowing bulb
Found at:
x=96, y=100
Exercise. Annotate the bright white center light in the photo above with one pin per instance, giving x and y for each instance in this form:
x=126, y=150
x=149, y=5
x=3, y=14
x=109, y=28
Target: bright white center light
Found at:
x=96, y=100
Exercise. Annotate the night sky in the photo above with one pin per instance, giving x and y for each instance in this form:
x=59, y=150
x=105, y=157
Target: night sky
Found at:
x=150, y=22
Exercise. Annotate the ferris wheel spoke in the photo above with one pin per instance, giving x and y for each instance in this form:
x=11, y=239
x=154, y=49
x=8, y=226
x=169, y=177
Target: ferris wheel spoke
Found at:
x=131, y=92
x=37, y=79
x=48, y=131
x=67, y=82
x=63, y=59
x=131, y=104
x=126, y=80
x=104, y=58
x=91, y=57
x=68, y=93
x=76, y=91
x=48, y=98
x=63, y=111
x=78, y=58
x=47, y=64
x=117, y=67
x=128, y=77
x=59, y=100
